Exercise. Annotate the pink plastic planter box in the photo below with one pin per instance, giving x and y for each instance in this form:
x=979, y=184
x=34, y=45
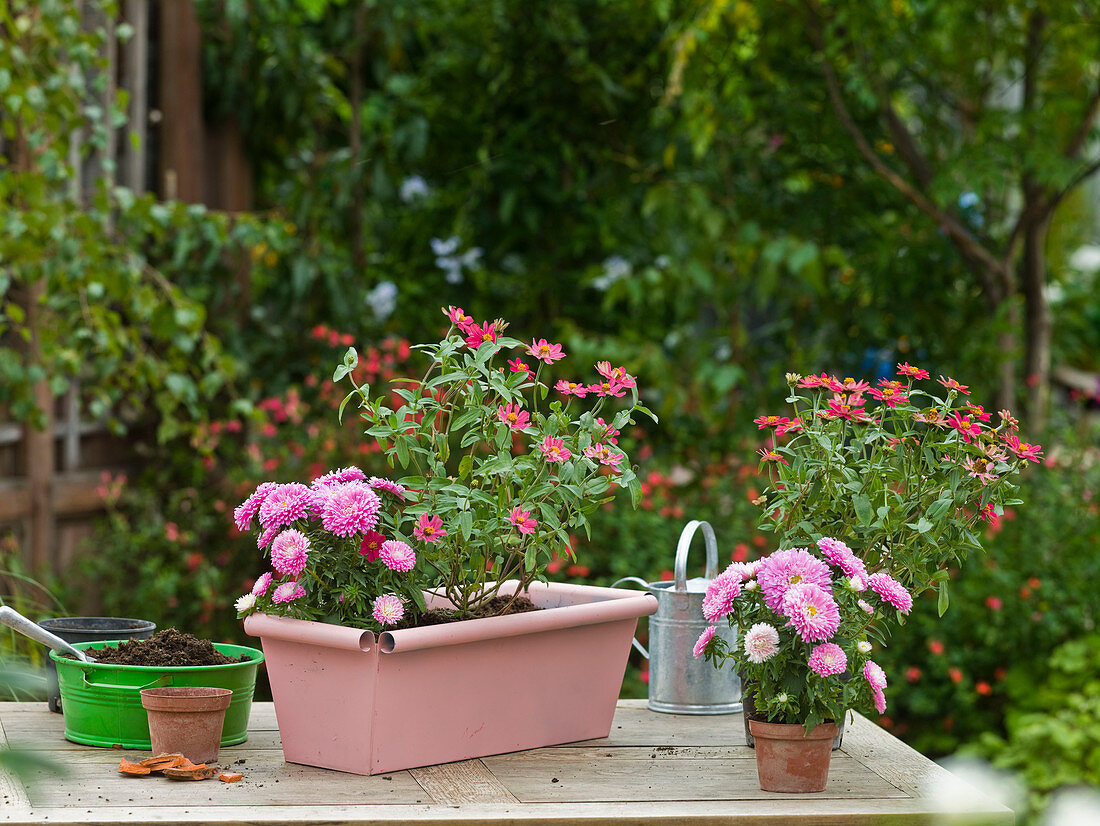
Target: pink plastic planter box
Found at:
x=421, y=696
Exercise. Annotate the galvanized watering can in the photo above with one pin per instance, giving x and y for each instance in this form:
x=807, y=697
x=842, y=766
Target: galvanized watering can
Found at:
x=678, y=682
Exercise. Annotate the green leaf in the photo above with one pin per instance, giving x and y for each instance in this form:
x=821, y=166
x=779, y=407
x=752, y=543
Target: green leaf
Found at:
x=943, y=600
x=402, y=451
x=465, y=466
x=343, y=404
x=862, y=504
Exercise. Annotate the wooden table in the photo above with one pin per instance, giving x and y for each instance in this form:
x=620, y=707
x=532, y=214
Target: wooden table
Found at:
x=654, y=768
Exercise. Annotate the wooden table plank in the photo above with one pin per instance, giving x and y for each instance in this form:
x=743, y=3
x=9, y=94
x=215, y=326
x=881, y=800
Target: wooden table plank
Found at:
x=652, y=769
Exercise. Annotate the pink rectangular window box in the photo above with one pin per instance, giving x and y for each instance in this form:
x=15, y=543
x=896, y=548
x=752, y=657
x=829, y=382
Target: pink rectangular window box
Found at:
x=420, y=696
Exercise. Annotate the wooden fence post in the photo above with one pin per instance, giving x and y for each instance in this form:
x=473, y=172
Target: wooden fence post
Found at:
x=181, y=128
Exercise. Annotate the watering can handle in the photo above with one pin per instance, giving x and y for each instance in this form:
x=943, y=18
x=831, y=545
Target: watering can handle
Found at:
x=644, y=584
x=680, y=568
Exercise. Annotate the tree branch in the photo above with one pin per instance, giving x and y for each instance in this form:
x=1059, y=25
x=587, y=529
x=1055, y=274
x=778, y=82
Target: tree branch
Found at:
x=1077, y=142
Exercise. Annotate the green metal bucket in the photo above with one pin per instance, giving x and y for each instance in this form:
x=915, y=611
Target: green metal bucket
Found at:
x=102, y=701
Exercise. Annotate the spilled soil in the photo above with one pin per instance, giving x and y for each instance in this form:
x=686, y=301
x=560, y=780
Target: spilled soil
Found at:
x=166, y=648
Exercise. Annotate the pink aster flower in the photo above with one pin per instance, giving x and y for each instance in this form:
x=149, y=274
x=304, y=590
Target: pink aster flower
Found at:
x=478, y=334
x=514, y=416
x=388, y=610
x=378, y=483
x=873, y=673
x=289, y=552
x=429, y=528
x=288, y=592
x=842, y=557
x=704, y=640
x=828, y=659
x=397, y=556
x=264, y=539
x=604, y=455
x=522, y=520
x=545, y=351
x=892, y=591
x=783, y=569
x=721, y=592
x=284, y=504
x=519, y=366
x=743, y=571
x=865, y=606
x=243, y=513
x=812, y=612
x=262, y=584
x=350, y=508
x=554, y=450
x=336, y=477
x=615, y=374
x=371, y=545
x=880, y=700
x=906, y=369
x=458, y=317
x=571, y=388
x=761, y=643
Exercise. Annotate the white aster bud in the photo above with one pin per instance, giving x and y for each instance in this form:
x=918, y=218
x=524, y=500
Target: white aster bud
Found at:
x=246, y=603
x=864, y=647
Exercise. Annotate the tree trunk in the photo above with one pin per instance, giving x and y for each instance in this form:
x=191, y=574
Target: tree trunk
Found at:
x=1038, y=323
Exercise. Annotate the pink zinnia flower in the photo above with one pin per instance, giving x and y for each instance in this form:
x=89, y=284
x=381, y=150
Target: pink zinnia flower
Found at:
x=812, y=612
x=769, y=421
x=389, y=486
x=262, y=584
x=828, y=659
x=965, y=425
x=892, y=591
x=429, y=528
x=518, y=366
x=522, y=520
x=554, y=450
x=889, y=396
x=848, y=385
x=458, y=317
x=371, y=545
x=478, y=334
x=604, y=455
x=704, y=640
x=1025, y=450
x=544, y=351
x=873, y=673
x=721, y=592
x=608, y=387
x=288, y=592
x=783, y=569
x=514, y=416
x=770, y=456
x=336, y=477
x=289, y=552
x=388, y=610
x=789, y=426
x=761, y=643
x=906, y=369
x=980, y=469
x=397, y=556
x=243, y=513
x=571, y=388
x=615, y=374
x=842, y=557
x=951, y=384
x=284, y=504
x=811, y=381
x=606, y=432
x=350, y=509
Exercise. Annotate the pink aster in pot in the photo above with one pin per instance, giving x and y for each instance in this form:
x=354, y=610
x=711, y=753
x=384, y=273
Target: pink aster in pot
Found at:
x=783, y=569
x=828, y=659
x=388, y=610
x=704, y=640
x=284, y=504
x=721, y=592
x=288, y=592
x=350, y=508
x=289, y=552
x=429, y=528
x=811, y=611
x=761, y=642
x=397, y=556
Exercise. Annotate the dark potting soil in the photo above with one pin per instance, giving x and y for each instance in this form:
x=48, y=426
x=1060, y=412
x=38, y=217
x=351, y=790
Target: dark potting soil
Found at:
x=494, y=607
x=165, y=648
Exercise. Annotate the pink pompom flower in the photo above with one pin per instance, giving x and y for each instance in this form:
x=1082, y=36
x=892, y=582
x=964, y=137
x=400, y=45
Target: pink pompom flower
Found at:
x=554, y=450
x=761, y=643
x=514, y=416
x=721, y=592
x=781, y=570
x=704, y=640
x=842, y=557
x=429, y=528
x=545, y=351
x=262, y=584
x=378, y=483
x=350, y=508
x=828, y=659
x=875, y=676
x=388, y=610
x=288, y=592
x=290, y=552
x=397, y=556
x=244, y=512
x=811, y=611
x=284, y=504
x=880, y=700
x=264, y=539
x=336, y=477
x=892, y=591
x=522, y=520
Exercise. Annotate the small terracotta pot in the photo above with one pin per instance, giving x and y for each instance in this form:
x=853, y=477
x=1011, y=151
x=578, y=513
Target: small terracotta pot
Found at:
x=790, y=760
x=186, y=720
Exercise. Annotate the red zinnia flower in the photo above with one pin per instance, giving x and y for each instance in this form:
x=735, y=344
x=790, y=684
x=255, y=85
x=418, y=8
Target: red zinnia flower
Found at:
x=906, y=369
x=951, y=384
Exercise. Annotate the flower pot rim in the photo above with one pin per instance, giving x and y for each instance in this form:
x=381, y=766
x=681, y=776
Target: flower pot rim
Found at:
x=186, y=699
x=593, y=604
x=792, y=731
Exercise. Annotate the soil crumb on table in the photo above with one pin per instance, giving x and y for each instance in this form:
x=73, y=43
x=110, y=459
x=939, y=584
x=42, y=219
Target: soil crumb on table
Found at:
x=166, y=648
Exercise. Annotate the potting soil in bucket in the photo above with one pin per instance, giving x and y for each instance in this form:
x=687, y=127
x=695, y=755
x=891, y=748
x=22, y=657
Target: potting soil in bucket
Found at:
x=102, y=701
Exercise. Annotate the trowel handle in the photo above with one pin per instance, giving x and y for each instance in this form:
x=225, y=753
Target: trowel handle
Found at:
x=680, y=568
x=13, y=619
x=644, y=584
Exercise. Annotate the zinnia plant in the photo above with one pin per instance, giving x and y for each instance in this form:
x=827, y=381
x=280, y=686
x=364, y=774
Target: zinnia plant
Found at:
x=334, y=553
x=807, y=618
x=902, y=474
x=503, y=463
